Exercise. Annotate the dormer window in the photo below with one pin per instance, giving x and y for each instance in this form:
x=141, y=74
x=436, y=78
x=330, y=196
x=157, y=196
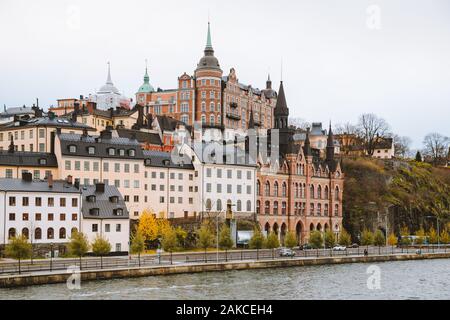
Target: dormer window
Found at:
x=91, y=198
x=118, y=212
x=112, y=151
x=114, y=199
x=131, y=152
x=94, y=212
x=121, y=152
x=166, y=162
x=91, y=150
x=72, y=149
x=148, y=162
x=42, y=161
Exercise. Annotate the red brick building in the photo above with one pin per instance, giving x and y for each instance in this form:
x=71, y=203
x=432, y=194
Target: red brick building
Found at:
x=300, y=192
x=211, y=98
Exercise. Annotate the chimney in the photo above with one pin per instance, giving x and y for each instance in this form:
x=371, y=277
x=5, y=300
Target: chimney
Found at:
x=58, y=131
x=140, y=119
x=76, y=110
x=52, y=141
x=27, y=176
x=11, y=147
x=100, y=187
x=50, y=180
x=85, y=133
x=69, y=180
x=77, y=184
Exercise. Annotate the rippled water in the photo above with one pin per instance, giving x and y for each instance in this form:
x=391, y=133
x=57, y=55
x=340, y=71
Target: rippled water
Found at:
x=426, y=279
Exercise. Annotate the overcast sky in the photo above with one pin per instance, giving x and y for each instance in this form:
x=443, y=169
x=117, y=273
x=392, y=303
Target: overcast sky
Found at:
x=340, y=58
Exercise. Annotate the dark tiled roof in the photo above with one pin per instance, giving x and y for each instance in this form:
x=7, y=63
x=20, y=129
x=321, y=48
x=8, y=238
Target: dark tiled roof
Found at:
x=32, y=159
x=16, y=111
x=36, y=186
x=141, y=136
x=165, y=159
x=103, y=203
x=45, y=122
x=281, y=108
x=169, y=124
x=101, y=145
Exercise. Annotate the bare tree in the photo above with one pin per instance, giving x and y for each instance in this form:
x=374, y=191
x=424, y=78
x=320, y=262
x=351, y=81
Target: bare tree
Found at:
x=402, y=146
x=436, y=146
x=371, y=128
x=346, y=128
x=299, y=123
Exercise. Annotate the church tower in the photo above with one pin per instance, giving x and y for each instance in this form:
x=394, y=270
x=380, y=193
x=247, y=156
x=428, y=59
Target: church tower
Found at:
x=281, y=112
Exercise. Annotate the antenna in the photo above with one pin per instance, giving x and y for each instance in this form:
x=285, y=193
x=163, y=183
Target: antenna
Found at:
x=281, y=68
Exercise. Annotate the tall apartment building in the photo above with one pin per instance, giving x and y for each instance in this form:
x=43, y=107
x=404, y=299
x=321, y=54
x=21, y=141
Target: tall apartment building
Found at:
x=211, y=98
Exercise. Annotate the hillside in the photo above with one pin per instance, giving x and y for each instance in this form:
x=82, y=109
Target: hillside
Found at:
x=414, y=192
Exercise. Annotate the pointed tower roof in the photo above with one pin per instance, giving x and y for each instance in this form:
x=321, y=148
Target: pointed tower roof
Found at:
x=330, y=145
x=307, y=147
x=209, y=61
x=251, y=121
x=109, y=86
x=146, y=87
x=281, y=108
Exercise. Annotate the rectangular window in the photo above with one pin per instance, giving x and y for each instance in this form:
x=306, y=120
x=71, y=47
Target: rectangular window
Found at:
x=107, y=227
x=105, y=166
x=249, y=175
x=38, y=201
x=136, y=184
x=25, y=217
x=25, y=201
x=136, y=168
x=95, y=227
x=239, y=189
x=239, y=174
x=172, y=175
x=74, y=202
x=12, y=217
x=62, y=217
x=50, y=217
x=229, y=174
x=95, y=167
x=229, y=188
x=208, y=172
x=126, y=183
x=117, y=183
x=68, y=165
x=51, y=202
x=38, y=217
x=249, y=189
x=161, y=199
x=62, y=202
x=127, y=168
x=41, y=147
x=161, y=175
x=74, y=217
x=219, y=173
x=116, y=167
x=87, y=166
x=208, y=187
x=8, y=173
x=219, y=188
x=77, y=165
x=41, y=133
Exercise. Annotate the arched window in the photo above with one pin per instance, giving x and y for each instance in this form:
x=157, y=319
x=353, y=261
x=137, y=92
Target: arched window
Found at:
x=38, y=234
x=283, y=208
x=319, y=209
x=208, y=205
x=297, y=191
x=275, y=208
x=62, y=233
x=239, y=206
x=311, y=192
x=219, y=205
x=267, y=207
x=11, y=233
x=327, y=193
x=275, y=189
x=267, y=189
x=26, y=233
x=249, y=206
x=212, y=120
x=50, y=233
x=258, y=188
x=336, y=210
x=212, y=107
x=258, y=207
x=336, y=194
x=284, y=190
x=325, y=210
x=319, y=192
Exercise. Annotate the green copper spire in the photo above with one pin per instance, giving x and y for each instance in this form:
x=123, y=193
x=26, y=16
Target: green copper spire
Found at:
x=146, y=87
x=208, y=40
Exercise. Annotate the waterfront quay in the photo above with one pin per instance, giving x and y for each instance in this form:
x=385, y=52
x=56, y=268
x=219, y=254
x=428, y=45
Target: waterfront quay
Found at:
x=56, y=271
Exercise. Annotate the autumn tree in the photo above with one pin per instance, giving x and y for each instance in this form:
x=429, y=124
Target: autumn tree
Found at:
x=101, y=247
x=345, y=238
x=18, y=248
x=272, y=243
x=392, y=240
x=256, y=241
x=379, y=240
x=169, y=241
x=78, y=245
x=444, y=237
x=420, y=236
x=148, y=226
x=404, y=232
x=432, y=236
x=137, y=245
x=225, y=241
x=205, y=238
x=291, y=240
x=181, y=236
x=367, y=238
x=330, y=239
x=316, y=239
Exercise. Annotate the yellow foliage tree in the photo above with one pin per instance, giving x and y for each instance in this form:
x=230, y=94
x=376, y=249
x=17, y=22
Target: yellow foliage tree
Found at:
x=148, y=226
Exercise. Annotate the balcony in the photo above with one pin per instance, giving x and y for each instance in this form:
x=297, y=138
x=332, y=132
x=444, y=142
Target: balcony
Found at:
x=233, y=116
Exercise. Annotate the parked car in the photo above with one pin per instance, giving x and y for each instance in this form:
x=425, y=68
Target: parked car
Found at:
x=285, y=252
x=355, y=245
x=305, y=246
x=339, y=248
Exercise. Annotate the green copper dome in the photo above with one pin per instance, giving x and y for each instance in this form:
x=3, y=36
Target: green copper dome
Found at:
x=146, y=87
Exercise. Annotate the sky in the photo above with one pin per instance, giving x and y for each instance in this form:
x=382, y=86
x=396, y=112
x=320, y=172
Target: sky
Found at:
x=338, y=59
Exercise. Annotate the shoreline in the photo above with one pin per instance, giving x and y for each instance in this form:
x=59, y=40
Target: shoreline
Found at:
x=12, y=281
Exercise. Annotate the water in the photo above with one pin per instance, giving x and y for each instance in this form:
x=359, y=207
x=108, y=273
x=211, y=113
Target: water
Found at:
x=424, y=279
